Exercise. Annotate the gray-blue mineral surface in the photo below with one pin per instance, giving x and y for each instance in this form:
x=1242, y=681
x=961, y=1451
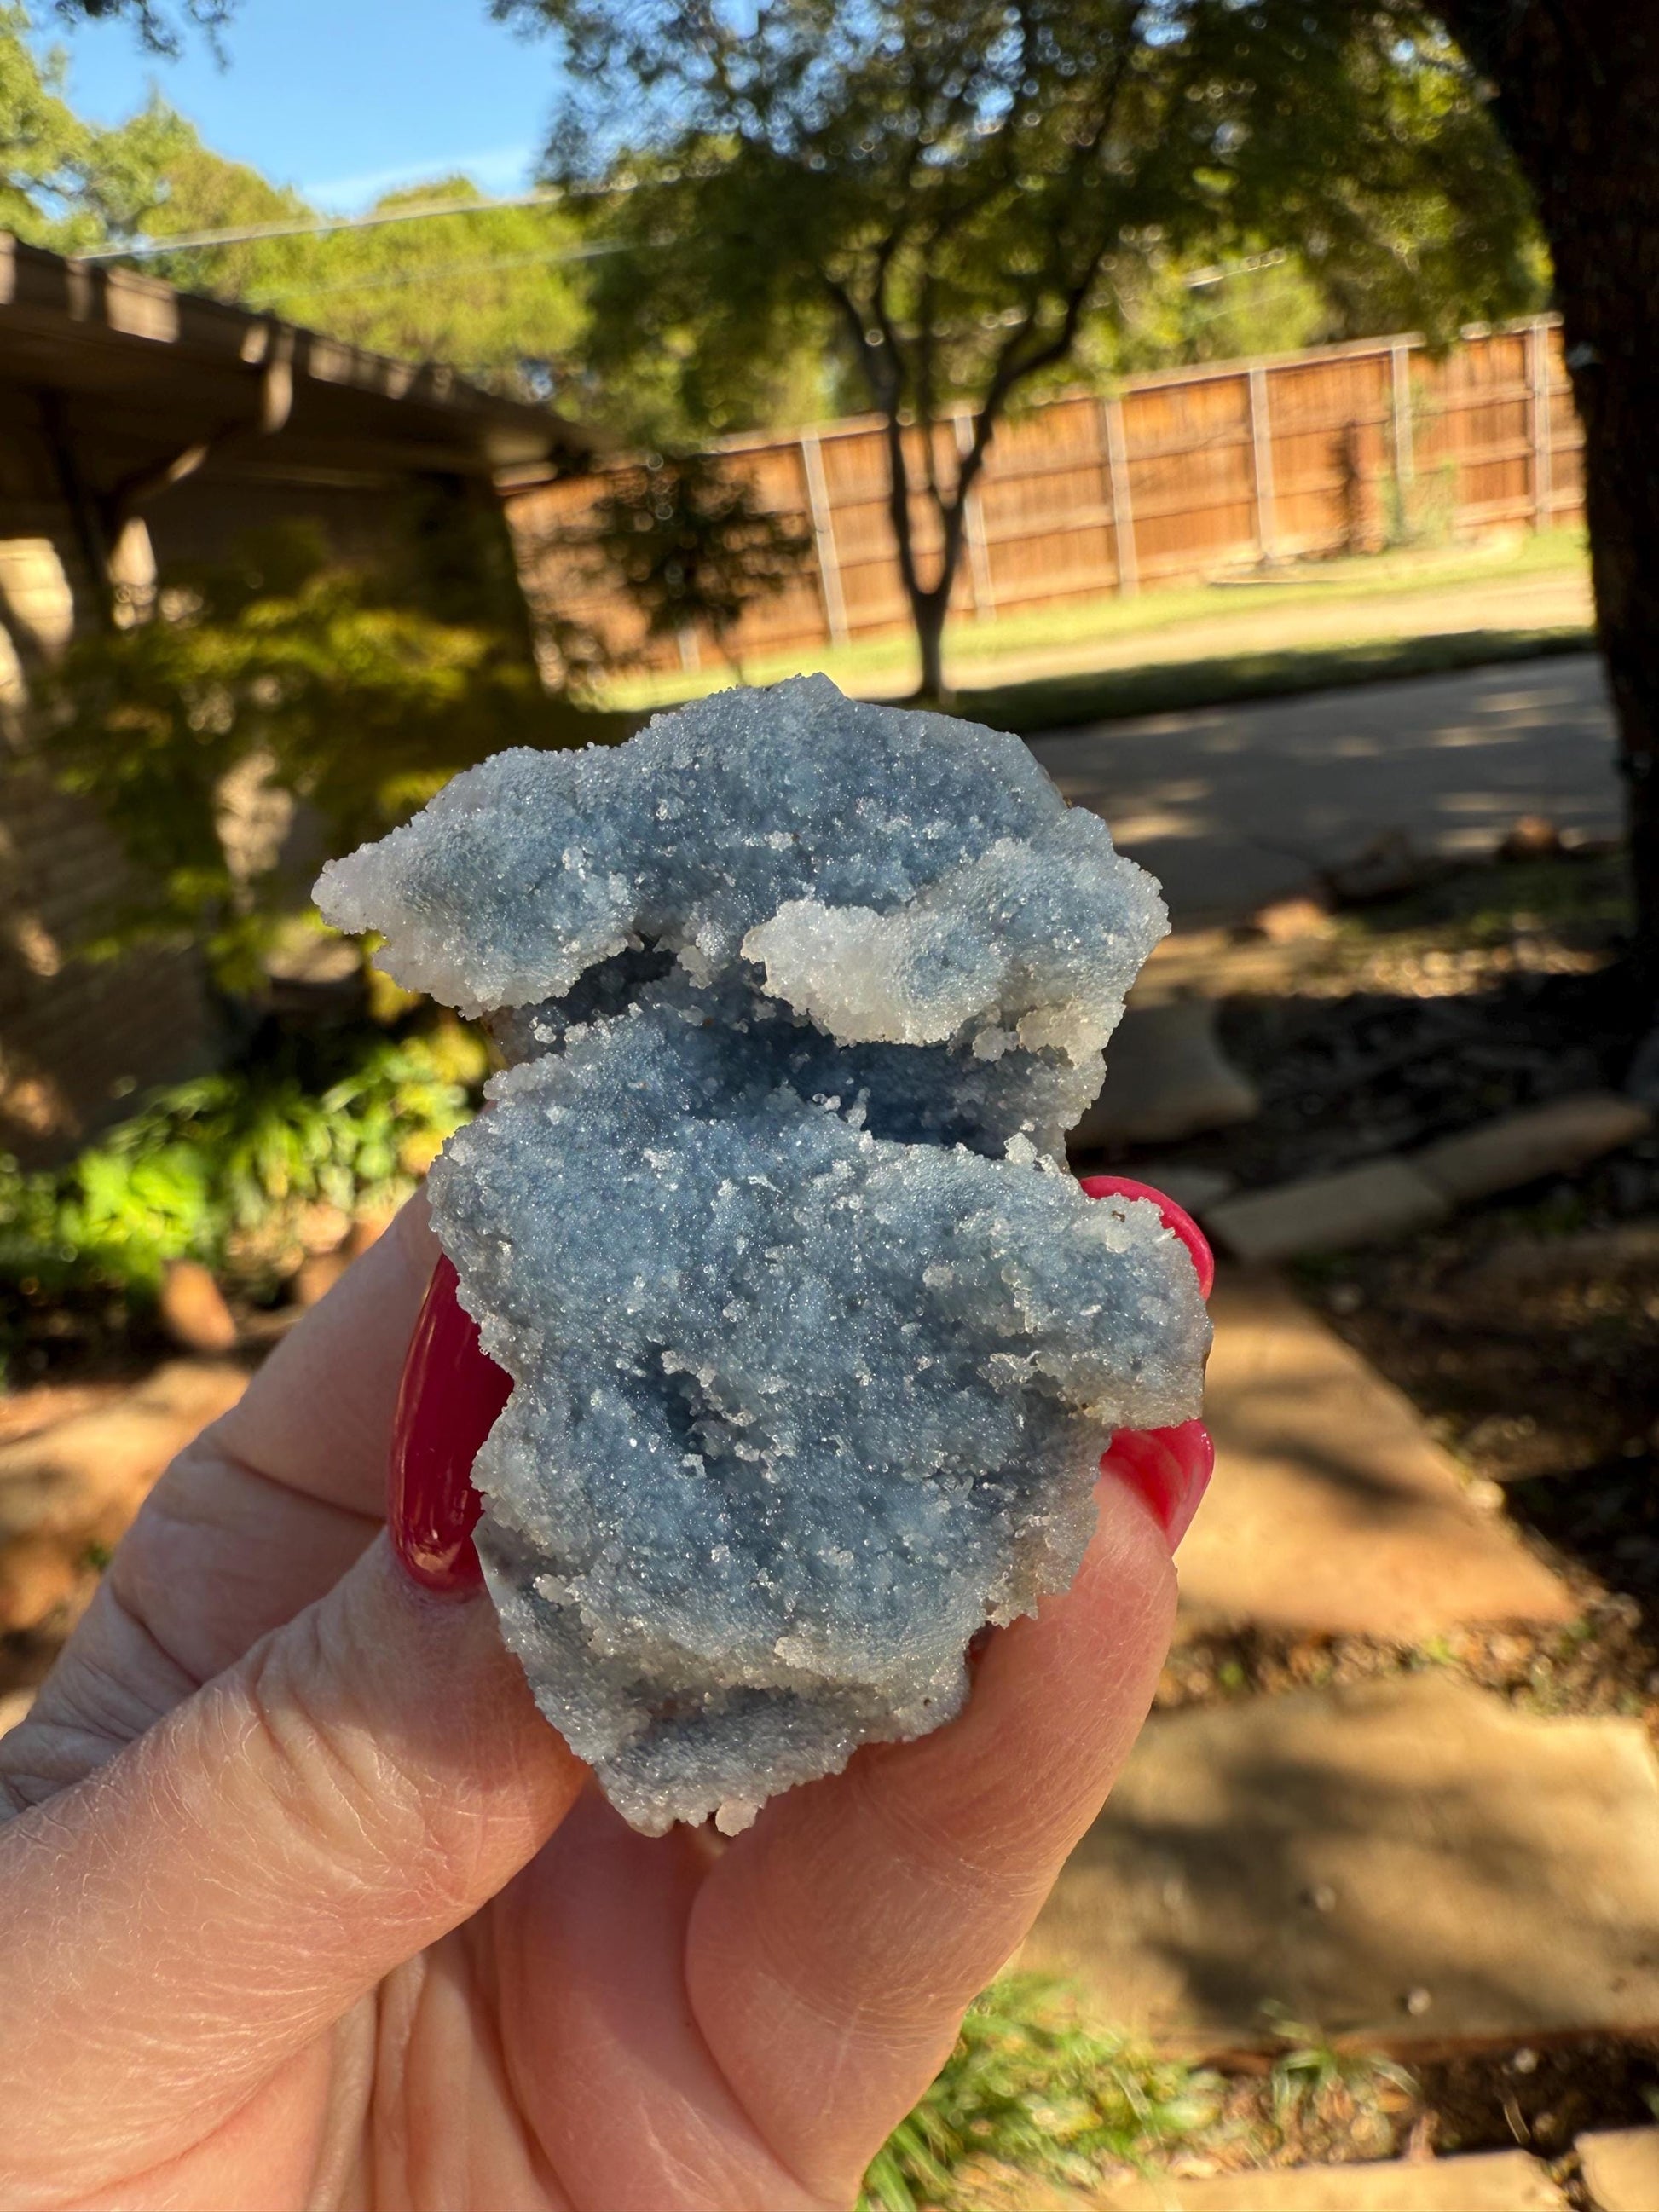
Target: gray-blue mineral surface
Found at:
x=815, y=1345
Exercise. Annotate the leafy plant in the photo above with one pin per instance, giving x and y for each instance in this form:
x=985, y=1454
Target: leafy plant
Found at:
x=1030, y=2086
x=221, y=1170
x=277, y=707
x=1314, y=2085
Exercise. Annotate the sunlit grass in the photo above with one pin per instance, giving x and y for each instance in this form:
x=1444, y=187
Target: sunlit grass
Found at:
x=1034, y=2092
x=1431, y=578
x=1032, y=2087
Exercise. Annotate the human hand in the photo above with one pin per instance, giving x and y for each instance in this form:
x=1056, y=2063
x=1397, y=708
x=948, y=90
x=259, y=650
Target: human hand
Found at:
x=303, y=1904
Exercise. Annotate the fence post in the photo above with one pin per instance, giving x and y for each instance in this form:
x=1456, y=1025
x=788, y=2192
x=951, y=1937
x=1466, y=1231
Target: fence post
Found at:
x=1123, y=513
x=979, y=551
x=1261, y=458
x=1543, y=453
x=823, y=536
x=1404, y=454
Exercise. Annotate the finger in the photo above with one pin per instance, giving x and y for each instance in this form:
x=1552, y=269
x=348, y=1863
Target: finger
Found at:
x=611, y=1908
x=236, y=1879
x=834, y=1948
x=1170, y=1467
x=217, y=1559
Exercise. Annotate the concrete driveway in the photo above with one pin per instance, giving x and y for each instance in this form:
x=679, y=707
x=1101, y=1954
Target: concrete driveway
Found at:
x=1233, y=805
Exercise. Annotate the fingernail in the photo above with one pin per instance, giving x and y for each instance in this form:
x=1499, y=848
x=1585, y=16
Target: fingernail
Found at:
x=449, y=1399
x=1170, y=1468
x=1176, y=1219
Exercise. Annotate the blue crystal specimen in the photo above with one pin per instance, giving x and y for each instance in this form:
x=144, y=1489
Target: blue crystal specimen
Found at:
x=815, y=1346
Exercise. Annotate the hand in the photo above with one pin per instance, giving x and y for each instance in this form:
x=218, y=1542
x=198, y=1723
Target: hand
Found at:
x=303, y=1904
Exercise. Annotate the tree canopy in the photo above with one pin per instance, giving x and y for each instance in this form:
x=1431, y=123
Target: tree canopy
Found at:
x=63, y=183
x=952, y=192
x=494, y=290
x=159, y=27
x=540, y=301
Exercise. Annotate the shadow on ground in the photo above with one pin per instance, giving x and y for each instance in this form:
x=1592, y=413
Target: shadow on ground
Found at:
x=1231, y=806
x=1164, y=687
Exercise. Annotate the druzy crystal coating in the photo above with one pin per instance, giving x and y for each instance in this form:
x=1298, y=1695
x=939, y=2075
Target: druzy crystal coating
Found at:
x=815, y=1346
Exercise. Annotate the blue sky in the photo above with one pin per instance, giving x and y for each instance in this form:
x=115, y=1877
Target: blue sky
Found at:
x=344, y=98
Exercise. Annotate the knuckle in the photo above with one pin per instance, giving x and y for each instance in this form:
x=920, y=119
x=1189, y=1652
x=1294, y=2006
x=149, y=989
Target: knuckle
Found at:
x=350, y=1809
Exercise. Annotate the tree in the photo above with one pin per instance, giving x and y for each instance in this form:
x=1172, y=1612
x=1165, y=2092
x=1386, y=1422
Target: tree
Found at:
x=949, y=189
x=67, y=183
x=489, y=290
x=1575, y=94
x=157, y=29
x=692, y=544
x=47, y=155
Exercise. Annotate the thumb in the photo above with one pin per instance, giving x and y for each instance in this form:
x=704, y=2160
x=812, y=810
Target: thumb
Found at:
x=228, y=1885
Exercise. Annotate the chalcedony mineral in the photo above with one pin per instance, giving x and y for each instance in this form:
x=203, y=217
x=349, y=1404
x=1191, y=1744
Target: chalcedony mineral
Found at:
x=815, y=1346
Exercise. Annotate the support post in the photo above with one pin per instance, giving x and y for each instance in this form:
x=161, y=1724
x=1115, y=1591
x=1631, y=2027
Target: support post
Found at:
x=1261, y=462
x=91, y=531
x=1543, y=431
x=979, y=550
x=1123, y=513
x=1405, y=456
x=823, y=536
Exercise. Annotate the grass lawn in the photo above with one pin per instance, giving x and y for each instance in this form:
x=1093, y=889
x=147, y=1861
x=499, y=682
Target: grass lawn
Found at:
x=1349, y=620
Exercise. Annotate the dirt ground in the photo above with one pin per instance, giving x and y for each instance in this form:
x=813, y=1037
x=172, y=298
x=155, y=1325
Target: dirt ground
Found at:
x=1527, y=1329
x=1527, y=1333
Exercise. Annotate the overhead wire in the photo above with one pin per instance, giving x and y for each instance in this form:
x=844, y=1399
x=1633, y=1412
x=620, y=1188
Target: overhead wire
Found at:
x=147, y=248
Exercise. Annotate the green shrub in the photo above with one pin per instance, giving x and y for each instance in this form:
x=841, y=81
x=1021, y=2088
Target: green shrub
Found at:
x=221, y=1169
x=285, y=689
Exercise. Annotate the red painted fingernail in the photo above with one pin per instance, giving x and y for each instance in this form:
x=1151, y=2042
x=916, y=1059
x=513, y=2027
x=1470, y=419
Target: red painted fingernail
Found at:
x=448, y=1401
x=1176, y=1219
x=1170, y=1468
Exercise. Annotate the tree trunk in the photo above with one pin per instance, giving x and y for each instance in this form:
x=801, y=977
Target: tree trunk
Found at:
x=930, y=603
x=927, y=611
x=1578, y=98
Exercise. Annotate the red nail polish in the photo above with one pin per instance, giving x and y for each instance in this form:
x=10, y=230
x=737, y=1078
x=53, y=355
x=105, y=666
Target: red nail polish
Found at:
x=1176, y=1219
x=1170, y=1468
x=449, y=1399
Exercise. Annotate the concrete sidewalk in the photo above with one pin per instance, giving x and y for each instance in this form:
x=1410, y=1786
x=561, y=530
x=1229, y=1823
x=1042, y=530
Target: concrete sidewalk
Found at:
x=1233, y=805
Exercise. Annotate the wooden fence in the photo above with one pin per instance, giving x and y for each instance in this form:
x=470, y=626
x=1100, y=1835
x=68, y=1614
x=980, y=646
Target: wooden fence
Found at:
x=1175, y=478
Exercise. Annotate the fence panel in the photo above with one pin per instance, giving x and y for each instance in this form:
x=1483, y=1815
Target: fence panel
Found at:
x=1177, y=479
x=1333, y=454
x=1191, y=467
x=1050, y=530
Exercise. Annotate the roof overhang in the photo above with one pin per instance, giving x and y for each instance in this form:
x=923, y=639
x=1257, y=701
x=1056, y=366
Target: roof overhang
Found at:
x=149, y=373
